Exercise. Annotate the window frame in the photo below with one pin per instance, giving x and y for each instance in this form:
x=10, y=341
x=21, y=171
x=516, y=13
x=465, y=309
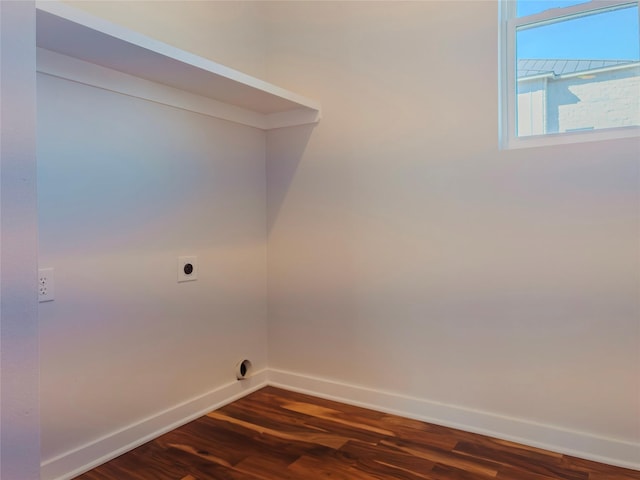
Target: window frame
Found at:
x=509, y=23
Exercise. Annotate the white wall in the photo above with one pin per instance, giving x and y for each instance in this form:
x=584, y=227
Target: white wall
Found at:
x=125, y=186
x=19, y=419
x=229, y=32
x=407, y=254
x=399, y=237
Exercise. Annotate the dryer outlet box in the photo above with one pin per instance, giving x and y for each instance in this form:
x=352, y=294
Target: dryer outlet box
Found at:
x=187, y=269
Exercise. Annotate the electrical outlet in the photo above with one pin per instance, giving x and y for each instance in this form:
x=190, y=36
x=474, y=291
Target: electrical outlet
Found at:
x=187, y=269
x=46, y=286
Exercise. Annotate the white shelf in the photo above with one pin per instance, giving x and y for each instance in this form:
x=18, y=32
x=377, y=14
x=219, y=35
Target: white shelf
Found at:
x=92, y=40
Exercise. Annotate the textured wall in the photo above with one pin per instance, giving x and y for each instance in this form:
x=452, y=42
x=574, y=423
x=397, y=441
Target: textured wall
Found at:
x=611, y=99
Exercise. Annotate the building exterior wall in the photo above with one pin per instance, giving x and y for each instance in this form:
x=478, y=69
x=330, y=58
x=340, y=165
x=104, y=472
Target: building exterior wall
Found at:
x=532, y=103
x=591, y=101
x=610, y=99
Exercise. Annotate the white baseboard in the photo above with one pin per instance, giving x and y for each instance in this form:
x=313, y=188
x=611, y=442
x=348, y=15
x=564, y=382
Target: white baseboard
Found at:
x=548, y=437
x=88, y=456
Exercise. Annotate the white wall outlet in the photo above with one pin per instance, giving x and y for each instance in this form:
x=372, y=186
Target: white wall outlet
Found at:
x=46, y=285
x=187, y=269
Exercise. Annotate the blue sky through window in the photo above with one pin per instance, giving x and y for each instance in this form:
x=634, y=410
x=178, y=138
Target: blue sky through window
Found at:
x=610, y=35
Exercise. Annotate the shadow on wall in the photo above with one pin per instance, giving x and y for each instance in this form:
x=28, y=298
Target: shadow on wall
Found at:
x=285, y=148
x=559, y=96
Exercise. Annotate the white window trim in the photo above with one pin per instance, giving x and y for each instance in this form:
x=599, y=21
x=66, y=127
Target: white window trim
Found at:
x=508, y=24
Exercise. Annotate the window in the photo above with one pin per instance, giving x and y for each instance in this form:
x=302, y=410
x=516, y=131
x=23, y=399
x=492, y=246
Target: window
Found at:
x=569, y=71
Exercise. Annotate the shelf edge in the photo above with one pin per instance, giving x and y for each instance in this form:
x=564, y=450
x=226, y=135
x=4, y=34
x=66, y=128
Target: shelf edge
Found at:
x=69, y=19
x=79, y=71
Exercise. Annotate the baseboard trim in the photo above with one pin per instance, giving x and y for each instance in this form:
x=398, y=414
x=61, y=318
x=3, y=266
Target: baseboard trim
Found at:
x=579, y=444
x=549, y=437
x=86, y=457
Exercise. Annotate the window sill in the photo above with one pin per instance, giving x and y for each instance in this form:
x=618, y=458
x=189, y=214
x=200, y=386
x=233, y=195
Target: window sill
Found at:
x=571, y=137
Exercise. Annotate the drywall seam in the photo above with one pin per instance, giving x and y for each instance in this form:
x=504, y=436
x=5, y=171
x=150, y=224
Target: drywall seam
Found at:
x=548, y=437
x=88, y=456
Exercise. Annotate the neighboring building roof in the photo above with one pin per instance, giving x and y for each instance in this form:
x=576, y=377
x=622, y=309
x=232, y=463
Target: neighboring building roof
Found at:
x=535, y=67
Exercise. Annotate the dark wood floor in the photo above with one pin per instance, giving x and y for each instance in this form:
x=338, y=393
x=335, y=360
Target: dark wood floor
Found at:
x=274, y=434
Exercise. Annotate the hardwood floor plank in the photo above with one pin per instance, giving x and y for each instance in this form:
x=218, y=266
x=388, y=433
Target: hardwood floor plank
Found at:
x=534, y=462
x=599, y=471
x=315, y=468
x=510, y=473
x=477, y=466
x=450, y=472
x=335, y=417
x=325, y=439
x=274, y=434
x=372, y=458
x=251, y=444
x=264, y=466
